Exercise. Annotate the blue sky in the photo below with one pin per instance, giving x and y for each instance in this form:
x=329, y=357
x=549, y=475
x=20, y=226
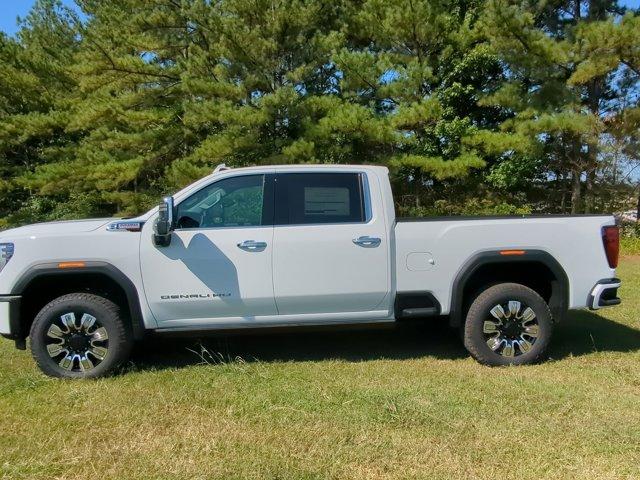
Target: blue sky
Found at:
x=11, y=9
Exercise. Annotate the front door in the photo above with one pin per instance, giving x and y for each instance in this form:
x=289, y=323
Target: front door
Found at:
x=330, y=246
x=218, y=265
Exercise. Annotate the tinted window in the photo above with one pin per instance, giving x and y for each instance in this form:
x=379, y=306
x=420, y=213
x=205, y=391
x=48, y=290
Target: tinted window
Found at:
x=303, y=198
x=233, y=202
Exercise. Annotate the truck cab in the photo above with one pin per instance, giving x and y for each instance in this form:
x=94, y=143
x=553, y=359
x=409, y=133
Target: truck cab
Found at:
x=265, y=247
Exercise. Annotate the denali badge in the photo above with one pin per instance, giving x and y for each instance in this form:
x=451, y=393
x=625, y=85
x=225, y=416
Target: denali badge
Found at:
x=194, y=296
x=125, y=226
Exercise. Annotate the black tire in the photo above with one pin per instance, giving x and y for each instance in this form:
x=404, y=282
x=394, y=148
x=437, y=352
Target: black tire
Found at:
x=476, y=339
x=106, y=314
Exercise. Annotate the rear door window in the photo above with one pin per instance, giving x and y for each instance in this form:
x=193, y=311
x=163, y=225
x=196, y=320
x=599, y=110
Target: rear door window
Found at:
x=312, y=198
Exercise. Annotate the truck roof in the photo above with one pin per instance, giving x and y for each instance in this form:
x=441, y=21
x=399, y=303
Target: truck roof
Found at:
x=222, y=170
x=310, y=166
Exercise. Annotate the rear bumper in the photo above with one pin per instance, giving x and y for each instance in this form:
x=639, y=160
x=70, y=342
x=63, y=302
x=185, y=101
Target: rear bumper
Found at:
x=10, y=316
x=604, y=294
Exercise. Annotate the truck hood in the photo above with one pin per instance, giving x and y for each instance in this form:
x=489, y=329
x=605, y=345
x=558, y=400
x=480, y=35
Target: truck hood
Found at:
x=53, y=228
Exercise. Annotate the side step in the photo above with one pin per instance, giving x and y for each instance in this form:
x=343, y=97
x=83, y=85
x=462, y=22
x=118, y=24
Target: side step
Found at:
x=419, y=312
x=416, y=305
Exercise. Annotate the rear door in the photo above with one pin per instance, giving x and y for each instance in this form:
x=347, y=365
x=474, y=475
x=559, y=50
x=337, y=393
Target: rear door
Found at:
x=330, y=246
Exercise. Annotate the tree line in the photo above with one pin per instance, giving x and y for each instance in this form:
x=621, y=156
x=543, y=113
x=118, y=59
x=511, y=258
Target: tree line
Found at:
x=476, y=106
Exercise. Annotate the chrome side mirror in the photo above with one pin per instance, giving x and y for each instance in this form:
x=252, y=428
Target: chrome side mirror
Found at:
x=164, y=224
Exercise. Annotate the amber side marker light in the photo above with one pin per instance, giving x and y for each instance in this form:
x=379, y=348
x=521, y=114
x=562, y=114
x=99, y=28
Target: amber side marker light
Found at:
x=71, y=265
x=512, y=252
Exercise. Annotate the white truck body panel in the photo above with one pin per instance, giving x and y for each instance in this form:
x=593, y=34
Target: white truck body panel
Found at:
x=4, y=318
x=305, y=273
x=318, y=268
x=68, y=243
x=452, y=243
x=228, y=282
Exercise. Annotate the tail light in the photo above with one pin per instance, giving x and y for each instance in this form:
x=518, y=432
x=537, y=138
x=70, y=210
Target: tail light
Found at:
x=611, y=242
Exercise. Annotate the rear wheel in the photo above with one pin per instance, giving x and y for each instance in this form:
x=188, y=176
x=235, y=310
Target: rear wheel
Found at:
x=79, y=335
x=508, y=324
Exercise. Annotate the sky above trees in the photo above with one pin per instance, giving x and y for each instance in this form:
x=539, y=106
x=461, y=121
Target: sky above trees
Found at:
x=10, y=10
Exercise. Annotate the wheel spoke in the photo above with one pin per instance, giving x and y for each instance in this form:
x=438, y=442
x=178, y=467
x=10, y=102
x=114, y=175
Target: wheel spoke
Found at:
x=508, y=350
x=55, y=349
x=525, y=345
x=67, y=361
x=99, y=352
x=514, y=308
x=99, y=335
x=527, y=316
x=494, y=343
x=532, y=331
x=69, y=321
x=490, y=327
x=498, y=313
x=87, y=321
x=85, y=363
x=55, y=332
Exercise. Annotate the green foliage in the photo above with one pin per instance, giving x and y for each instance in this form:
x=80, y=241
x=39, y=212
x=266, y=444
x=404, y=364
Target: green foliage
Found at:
x=630, y=245
x=101, y=116
x=563, y=61
x=630, y=238
x=630, y=230
x=604, y=45
x=445, y=208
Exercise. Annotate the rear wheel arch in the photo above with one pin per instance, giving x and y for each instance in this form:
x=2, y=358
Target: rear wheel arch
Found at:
x=44, y=282
x=536, y=269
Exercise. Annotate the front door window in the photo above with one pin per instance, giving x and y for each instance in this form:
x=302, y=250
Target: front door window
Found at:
x=232, y=202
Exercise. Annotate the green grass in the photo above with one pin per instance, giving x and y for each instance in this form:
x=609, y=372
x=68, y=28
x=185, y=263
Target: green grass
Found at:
x=379, y=404
x=630, y=245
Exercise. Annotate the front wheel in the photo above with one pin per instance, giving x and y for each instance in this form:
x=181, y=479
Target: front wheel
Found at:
x=508, y=324
x=79, y=335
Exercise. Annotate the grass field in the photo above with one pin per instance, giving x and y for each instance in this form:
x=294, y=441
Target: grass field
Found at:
x=379, y=404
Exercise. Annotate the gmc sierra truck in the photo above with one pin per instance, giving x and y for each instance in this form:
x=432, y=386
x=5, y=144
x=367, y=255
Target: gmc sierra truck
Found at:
x=295, y=246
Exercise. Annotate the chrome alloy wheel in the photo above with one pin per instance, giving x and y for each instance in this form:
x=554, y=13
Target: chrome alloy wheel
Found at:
x=512, y=328
x=77, y=346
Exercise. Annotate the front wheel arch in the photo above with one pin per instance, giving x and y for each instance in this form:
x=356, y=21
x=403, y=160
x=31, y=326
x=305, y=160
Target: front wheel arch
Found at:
x=44, y=282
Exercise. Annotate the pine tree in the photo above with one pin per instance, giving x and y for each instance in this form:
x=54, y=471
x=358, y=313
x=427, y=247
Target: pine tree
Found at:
x=35, y=95
x=559, y=87
x=101, y=114
x=419, y=67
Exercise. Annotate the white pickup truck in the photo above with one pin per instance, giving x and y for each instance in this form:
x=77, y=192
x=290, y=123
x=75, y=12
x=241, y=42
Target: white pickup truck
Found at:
x=293, y=246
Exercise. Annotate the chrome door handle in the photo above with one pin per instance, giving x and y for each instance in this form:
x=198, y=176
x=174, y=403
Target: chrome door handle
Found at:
x=365, y=241
x=252, y=245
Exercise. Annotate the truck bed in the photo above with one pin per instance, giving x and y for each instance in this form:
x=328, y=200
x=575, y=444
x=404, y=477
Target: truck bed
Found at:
x=431, y=251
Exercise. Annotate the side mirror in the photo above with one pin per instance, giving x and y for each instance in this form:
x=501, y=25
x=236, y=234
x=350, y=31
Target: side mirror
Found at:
x=164, y=224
